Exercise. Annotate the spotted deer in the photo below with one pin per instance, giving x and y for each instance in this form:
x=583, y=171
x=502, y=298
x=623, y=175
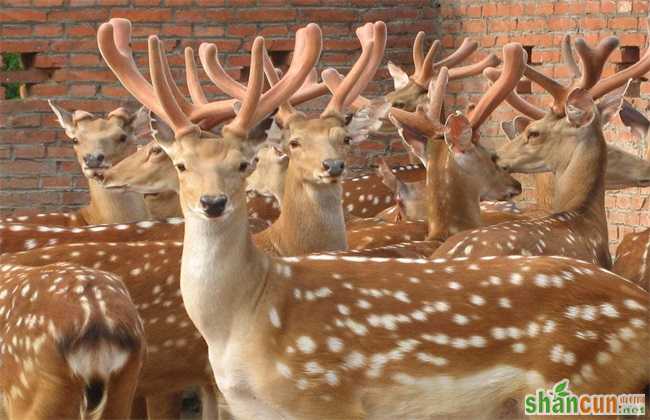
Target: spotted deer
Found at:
x=315, y=148
x=351, y=338
x=98, y=143
x=71, y=343
x=460, y=171
x=569, y=142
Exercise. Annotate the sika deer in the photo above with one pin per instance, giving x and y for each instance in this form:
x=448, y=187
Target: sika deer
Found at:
x=99, y=143
x=569, y=142
x=71, y=343
x=289, y=337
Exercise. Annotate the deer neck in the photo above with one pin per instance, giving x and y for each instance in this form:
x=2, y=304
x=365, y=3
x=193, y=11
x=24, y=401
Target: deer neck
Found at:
x=453, y=196
x=580, y=179
x=544, y=190
x=107, y=206
x=163, y=205
x=311, y=218
x=222, y=272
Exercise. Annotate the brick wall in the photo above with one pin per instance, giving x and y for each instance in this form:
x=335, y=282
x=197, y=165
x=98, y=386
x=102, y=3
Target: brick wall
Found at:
x=540, y=25
x=37, y=169
x=56, y=38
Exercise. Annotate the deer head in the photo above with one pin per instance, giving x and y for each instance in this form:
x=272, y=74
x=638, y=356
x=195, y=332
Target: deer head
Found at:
x=409, y=196
x=148, y=171
x=549, y=141
x=99, y=142
x=267, y=179
x=411, y=90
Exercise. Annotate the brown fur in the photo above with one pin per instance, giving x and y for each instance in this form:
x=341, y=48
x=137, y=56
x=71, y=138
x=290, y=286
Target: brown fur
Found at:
x=45, y=328
x=633, y=258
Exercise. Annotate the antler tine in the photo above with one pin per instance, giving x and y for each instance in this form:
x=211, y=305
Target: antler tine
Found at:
x=556, y=90
x=423, y=65
x=113, y=39
x=426, y=119
x=513, y=68
x=310, y=89
x=436, y=94
x=332, y=79
x=594, y=59
x=285, y=110
x=192, y=77
x=514, y=99
x=466, y=49
x=309, y=42
x=335, y=105
x=244, y=120
x=490, y=60
x=209, y=57
x=178, y=120
x=377, y=54
x=567, y=57
x=619, y=79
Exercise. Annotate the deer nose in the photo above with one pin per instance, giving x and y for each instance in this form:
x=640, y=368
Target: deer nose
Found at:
x=94, y=161
x=213, y=205
x=334, y=167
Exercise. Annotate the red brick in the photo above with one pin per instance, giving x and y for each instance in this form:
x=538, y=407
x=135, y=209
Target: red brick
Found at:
x=18, y=183
x=623, y=23
x=57, y=182
x=81, y=30
x=16, y=30
x=82, y=15
x=48, y=30
x=143, y=15
x=328, y=15
x=47, y=90
x=24, y=46
x=22, y=15
x=203, y=16
x=82, y=90
x=29, y=152
x=266, y=15
x=60, y=152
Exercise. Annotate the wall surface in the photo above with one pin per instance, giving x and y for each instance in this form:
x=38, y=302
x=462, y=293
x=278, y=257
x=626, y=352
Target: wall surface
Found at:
x=38, y=170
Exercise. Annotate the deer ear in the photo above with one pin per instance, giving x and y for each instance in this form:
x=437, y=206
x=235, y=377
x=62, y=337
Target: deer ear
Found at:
x=140, y=120
x=65, y=119
x=579, y=108
x=414, y=140
x=161, y=132
x=636, y=121
x=367, y=119
x=458, y=133
x=612, y=103
x=387, y=176
x=400, y=78
x=515, y=127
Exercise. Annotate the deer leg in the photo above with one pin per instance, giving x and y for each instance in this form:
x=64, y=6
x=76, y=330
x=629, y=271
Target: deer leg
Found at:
x=165, y=406
x=139, y=408
x=121, y=390
x=210, y=402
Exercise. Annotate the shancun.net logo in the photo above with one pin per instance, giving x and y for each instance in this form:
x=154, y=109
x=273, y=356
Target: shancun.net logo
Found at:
x=560, y=401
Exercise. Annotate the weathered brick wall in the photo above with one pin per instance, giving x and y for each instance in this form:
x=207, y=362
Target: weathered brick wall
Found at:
x=38, y=170
x=540, y=25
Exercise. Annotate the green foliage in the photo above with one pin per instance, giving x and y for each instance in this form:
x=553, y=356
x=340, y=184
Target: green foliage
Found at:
x=12, y=62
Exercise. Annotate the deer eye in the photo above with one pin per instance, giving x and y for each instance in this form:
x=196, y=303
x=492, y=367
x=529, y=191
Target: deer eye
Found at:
x=180, y=167
x=243, y=166
x=347, y=140
x=533, y=134
x=122, y=138
x=256, y=160
x=75, y=140
x=156, y=150
x=294, y=143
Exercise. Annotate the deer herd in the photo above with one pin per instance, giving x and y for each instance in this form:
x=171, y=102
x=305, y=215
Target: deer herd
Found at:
x=231, y=254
